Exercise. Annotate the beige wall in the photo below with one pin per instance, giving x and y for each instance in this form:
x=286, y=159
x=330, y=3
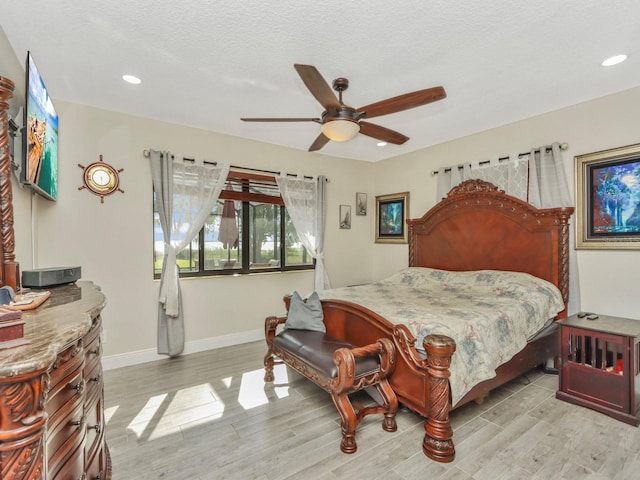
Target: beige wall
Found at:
x=113, y=241
x=608, y=279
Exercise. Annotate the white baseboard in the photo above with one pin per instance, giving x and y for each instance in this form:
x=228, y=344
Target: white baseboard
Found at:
x=194, y=346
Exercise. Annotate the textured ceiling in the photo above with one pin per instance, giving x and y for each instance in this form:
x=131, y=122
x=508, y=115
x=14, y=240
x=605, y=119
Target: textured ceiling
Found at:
x=206, y=64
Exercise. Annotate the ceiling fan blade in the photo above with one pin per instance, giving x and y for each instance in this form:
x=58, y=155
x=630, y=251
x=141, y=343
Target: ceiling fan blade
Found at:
x=320, y=141
x=317, y=120
x=318, y=87
x=382, y=133
x=403, y=102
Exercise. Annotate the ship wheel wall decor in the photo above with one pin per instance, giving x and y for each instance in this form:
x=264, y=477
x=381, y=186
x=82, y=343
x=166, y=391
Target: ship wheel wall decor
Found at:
x=101, y=179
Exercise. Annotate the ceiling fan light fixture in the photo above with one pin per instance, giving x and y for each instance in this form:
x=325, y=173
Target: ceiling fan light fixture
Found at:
x=340, y=130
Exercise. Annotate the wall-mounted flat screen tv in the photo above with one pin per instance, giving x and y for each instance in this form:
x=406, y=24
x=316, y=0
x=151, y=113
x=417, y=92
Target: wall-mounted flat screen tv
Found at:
x=40, y=148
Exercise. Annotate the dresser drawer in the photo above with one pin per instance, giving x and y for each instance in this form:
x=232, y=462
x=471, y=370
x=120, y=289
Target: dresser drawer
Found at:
x=94, y=384
x=67, y=361
x=94, y=426
x=93, y=353
x=96, y=466
x=72, y=469
x=63, y=399
x=94, y=331
x=66, y=443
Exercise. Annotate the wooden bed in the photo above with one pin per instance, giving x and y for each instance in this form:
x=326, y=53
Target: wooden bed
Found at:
x=476, y=227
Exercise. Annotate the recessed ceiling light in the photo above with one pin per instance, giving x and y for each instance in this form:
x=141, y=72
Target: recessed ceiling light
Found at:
x=131, y=79
x=616, y=59
x=382, y=144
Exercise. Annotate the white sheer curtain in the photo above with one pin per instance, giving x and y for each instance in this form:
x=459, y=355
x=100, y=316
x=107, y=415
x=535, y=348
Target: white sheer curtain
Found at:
x=185, y=195
x=306, y=203
x=548, y=188
x=510, y=176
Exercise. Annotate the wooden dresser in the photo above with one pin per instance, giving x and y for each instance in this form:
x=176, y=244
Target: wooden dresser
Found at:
x=52, y=392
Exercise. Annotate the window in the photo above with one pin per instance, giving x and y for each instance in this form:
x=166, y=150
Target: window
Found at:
x=249, y=230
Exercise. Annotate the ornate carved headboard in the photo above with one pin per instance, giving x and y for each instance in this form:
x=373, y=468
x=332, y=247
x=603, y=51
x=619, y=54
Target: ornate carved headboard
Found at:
x=478, y=227
x=9, y=269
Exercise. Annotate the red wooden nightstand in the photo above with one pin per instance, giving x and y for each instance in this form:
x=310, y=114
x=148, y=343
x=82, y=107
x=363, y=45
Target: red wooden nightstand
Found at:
x=600, y=365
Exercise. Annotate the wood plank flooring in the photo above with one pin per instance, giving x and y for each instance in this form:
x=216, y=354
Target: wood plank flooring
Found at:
x=210, y=416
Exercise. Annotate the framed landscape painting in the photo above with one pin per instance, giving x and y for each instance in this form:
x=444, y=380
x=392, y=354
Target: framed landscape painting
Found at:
x=391, y=218
x=608, y=199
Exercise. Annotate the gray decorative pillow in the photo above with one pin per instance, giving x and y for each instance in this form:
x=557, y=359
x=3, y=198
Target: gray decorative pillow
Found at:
x=305, y=315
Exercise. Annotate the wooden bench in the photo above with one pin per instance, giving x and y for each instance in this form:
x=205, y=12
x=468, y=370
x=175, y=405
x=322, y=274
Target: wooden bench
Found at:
x=338, y=367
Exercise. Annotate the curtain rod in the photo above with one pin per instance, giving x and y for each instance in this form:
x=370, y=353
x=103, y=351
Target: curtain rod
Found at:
x=563, y=146
x=147, y=154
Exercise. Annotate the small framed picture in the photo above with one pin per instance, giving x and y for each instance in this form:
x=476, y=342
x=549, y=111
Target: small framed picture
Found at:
x=361, y=203
x=391, y=218
x=345, y=216
x=608, y=199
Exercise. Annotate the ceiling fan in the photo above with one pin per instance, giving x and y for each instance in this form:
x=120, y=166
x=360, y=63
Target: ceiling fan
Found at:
x=340, y=122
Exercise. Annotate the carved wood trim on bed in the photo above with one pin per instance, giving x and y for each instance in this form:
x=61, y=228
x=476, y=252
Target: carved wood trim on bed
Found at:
x=478, y=227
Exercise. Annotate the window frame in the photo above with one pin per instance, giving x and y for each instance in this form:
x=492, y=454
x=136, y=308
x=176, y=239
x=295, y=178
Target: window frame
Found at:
x=246, y=197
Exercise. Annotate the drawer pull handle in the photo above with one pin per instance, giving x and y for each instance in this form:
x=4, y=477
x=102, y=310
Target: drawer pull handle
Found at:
x=96, y=427
x=99, y=476
x=77, y=423
x=96, y=379
x=79, y=387
x=95, y=351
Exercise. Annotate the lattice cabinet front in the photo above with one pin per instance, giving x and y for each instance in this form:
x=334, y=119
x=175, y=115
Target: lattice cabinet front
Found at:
x=600, y=365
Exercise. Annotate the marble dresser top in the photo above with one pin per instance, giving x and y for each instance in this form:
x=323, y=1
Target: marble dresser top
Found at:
x=65, y=317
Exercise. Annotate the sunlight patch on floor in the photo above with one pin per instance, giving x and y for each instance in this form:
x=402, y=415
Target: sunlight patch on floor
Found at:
x=196, y=394
x=163, y=414
x=252, y=387
x=252, y=393
x=109, y=412
x=141, y=421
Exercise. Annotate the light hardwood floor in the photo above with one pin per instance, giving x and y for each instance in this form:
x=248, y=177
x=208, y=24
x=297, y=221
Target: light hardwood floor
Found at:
x=210, y=416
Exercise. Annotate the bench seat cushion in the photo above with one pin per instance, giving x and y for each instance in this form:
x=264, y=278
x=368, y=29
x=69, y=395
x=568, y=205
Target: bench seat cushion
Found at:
x=316, y=349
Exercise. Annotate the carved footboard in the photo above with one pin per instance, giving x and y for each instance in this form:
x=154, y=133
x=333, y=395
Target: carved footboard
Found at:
x=420, y=384
x=339, y=367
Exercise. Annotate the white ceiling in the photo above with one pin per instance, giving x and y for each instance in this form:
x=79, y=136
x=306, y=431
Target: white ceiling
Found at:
x=206, y=64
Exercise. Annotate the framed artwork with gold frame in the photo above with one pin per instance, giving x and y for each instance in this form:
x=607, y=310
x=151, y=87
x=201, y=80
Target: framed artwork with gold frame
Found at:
x=608, y=199
x=391, y=218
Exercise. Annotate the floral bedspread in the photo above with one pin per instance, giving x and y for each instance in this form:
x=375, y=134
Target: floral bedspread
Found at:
x=490, y=314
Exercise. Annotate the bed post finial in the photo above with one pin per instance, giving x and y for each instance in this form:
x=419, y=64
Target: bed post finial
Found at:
x=437, y=443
